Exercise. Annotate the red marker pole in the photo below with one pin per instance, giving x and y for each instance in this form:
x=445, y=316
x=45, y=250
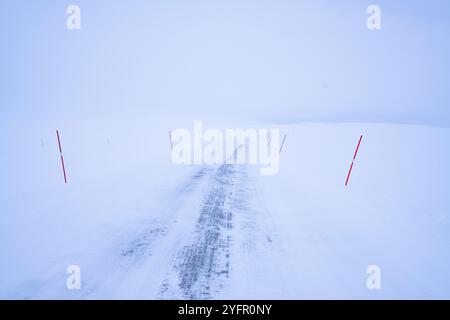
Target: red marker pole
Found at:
x=62, y=158
x=354, y=157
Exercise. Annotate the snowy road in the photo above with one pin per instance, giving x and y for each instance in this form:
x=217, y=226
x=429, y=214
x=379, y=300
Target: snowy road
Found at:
x=204, y=247
x=202, y=265
x=198, y=250
x=225, y=232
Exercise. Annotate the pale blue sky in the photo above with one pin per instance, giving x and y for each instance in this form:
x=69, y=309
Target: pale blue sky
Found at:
x=266, y=60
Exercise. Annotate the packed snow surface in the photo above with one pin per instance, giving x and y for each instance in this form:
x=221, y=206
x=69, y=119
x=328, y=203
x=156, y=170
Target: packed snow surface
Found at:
x=139, y=226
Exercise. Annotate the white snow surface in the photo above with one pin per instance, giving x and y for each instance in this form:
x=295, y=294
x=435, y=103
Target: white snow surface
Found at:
x=141, y=227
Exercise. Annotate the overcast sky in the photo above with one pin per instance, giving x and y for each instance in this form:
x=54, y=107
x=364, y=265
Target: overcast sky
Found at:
x=266, y=60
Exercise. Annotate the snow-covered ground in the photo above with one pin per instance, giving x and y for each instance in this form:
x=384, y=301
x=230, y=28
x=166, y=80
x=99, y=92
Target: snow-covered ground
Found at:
x=141, y=227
